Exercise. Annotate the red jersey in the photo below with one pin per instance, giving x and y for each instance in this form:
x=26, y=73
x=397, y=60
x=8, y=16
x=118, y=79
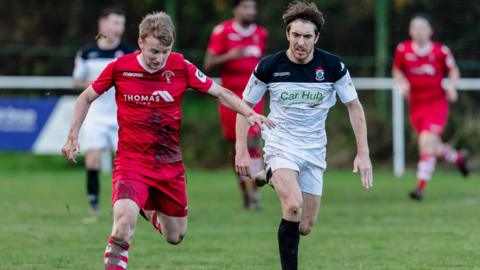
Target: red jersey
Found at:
x=149, y=105
x=424, y=70
x=228, y=35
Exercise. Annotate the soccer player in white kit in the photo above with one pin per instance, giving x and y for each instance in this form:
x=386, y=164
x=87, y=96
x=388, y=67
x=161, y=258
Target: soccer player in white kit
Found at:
x=100, y=131
x=303, y=82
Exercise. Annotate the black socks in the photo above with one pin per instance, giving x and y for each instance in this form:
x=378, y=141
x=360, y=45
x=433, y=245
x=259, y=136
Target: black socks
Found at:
x=288, y=240
x=93, y=187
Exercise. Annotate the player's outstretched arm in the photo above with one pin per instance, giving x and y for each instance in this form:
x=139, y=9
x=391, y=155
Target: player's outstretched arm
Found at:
x=242, y=157
x=362, y=161
x=71, y=147
x=232, y=101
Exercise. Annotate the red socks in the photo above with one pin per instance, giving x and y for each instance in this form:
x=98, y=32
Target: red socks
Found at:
x=116, y=254
x=422, y=184
x=425, y=169
x=450, y=155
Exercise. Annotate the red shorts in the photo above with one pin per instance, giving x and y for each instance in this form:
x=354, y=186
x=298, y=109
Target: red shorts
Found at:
x=160, y=187
x=228, y=119
x=429, y=116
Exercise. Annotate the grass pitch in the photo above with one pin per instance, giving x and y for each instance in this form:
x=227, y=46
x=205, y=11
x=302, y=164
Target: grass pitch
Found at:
x=42, y=203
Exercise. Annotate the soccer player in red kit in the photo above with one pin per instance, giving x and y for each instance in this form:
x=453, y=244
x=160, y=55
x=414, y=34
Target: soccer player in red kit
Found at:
x=149, y=175
x=236, y=46
x=419, y=67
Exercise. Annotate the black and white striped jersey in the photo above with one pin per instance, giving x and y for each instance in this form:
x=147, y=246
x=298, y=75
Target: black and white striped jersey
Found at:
x=300, y=98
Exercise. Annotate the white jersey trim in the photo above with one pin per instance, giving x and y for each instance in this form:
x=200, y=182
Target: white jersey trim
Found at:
x=255, y=90
x=345, y=89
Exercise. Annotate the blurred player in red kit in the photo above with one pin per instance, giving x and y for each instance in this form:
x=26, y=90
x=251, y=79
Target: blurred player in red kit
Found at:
x=149, y=175
x=236, y=46
x=419, y=67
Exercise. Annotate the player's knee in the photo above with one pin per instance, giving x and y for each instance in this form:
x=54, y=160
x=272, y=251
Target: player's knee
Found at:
x=124, y=228
x=174, y=239
x=306, y=228
x=294, y=208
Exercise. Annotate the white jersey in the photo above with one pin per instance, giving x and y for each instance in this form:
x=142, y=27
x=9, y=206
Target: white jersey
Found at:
x=89, y=63
x=300, y=98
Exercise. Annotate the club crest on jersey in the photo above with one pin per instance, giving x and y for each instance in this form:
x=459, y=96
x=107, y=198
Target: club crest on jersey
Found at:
x=319, y=74
x=168, y=74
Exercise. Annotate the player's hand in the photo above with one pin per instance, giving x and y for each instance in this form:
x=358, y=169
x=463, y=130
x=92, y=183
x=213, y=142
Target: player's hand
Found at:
x=70, y=150
x=363, y=164
x=404, y=88
x=242, y=162
x=452, y=94
x=258, y=119
x=235, y=53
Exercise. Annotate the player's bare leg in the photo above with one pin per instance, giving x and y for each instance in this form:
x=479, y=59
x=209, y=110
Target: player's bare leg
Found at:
x=125, y=213
x=428, y=143
x=311, y=205
x=256, y=165
x=174, y=229
x=286, y=185
x=152, y=217
x=241, y=180
x=92, y=166
x=430, y=147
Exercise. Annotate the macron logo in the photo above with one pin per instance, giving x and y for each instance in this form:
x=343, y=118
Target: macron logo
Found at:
x=132, y=74
x=164, y=94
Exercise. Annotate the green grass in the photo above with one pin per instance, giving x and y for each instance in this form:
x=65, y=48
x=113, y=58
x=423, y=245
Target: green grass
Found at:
x=42, y=204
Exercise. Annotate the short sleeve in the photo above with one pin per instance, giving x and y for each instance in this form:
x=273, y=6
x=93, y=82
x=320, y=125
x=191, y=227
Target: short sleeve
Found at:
x=105, y=80
x=196, y=79
x=80, y=71
x=448, y=61
x=398, y=58
x=345, y=89
x=216, y=44
x=339, y=69
x=257, y=85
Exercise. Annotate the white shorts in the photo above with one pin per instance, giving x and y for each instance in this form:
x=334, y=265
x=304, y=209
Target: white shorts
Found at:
x=310, y=176
x=95, y=136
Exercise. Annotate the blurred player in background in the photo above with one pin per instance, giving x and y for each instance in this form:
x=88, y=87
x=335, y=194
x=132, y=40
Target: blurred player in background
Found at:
x=236, y=46
x=149, y=175
x=100, y=130
x=418, y=70
x=303, y=82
